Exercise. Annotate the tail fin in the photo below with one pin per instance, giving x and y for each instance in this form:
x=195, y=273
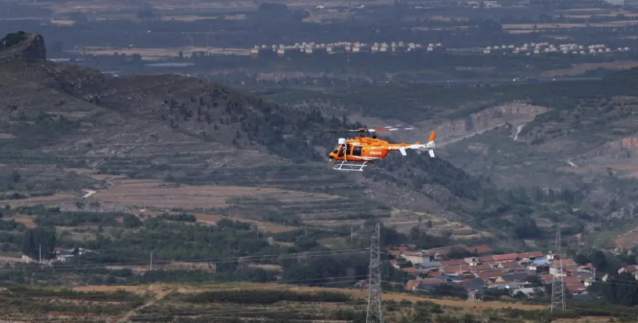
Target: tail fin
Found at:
x=432, y=137
x=431, y=144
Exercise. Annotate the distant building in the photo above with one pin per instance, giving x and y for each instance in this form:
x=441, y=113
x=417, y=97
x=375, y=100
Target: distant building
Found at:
x=631, y=269
x=427, y=285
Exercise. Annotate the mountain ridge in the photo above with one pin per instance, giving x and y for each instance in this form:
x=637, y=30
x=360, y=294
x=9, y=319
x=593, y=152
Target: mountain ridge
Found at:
x=22, y=45
x=186, y=130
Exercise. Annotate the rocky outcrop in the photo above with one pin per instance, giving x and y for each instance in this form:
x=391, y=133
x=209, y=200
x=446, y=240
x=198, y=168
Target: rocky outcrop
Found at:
x=619, y=149
x=513, y=114
x=22, y=46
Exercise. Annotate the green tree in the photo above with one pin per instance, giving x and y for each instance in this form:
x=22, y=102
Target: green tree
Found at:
x=621, y=289
x=526, y=228
x=39, y=240
x=131, y=221
x=598, y=259
x=581, y=259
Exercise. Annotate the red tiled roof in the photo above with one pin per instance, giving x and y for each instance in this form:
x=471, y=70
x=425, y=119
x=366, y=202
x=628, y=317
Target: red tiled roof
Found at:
x=412, y=253
x=456, y=268
x=412, y=284
x=482, y=267
x=433, y=273
x=487, y=274
x=569, y=263
x=531, y=254
x=453, y=262
x=409, y=270
x=397, y=250
x=486, y=259
x=574, y=284
x=505, y=257
x=432, y=281
x=511, y=266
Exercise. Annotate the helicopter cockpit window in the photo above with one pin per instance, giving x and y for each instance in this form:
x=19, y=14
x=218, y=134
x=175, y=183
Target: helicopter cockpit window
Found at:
x=356, y=151
x=349, y=149
x=340, y=149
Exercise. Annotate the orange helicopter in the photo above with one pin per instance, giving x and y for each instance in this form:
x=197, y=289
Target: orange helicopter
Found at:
x=354, y=154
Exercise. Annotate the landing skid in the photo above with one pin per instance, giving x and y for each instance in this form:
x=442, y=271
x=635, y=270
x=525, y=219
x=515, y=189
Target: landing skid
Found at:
x=345, y=166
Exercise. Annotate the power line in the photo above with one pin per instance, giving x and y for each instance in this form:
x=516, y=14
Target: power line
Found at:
x=375, y=308
x=558, y=280
x=226, y=260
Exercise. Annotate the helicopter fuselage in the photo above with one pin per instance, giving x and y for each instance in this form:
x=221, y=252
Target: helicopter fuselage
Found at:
x=356, y=153
x=362, y=149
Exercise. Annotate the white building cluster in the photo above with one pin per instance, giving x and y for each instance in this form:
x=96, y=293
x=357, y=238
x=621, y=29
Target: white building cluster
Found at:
x=347, y=48
x=530, y=49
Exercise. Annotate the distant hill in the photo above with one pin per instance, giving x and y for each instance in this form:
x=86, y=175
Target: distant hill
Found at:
x=187, y=130
x=22, y=45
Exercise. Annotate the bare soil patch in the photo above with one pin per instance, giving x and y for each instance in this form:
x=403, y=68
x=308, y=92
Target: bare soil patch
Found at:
x=627, y=240
x=263, y=226
x=578, y=69
x=161, y=195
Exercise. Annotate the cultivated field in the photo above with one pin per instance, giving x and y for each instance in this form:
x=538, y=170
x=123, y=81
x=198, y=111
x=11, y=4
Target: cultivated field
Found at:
x=578, y=69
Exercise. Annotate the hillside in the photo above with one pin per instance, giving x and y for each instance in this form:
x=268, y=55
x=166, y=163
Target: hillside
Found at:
x=527, y=142
x=82, y=124
x=133, y=180
x=248, y=302
x=64, y=121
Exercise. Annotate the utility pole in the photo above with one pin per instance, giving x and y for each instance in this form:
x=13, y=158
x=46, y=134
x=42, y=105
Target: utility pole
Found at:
x=558, y=280
x=375, y=308
x=150, y=262
x=39, y=254
x=351, y=232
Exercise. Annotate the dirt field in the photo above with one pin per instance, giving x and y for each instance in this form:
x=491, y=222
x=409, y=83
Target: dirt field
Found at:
x=585, y=319
x=578, y=69
x=26, y=221
x=55, y=199
x=361, y=294
x=160, y=195
x=152, y=197
x=153, y=54
x=263, y=226
x=155, y=194
x=157, y=294
x=627, y=240
x=529, y=28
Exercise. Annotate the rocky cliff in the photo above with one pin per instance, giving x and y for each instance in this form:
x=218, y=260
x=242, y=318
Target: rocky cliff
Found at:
x=23, y=46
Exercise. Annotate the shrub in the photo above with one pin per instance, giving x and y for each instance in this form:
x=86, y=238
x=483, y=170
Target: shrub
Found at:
x=264, y=297
x=13, y=39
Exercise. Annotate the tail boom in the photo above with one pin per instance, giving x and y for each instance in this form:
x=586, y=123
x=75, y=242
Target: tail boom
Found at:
x=429, y=146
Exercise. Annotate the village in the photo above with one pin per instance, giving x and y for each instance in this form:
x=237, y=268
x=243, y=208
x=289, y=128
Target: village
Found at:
x=522, y=275
x=549, y=48
x=346, y=47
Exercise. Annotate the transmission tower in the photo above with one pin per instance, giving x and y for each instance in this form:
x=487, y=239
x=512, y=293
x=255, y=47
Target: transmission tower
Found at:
x=375, y=308
x=558, y=281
